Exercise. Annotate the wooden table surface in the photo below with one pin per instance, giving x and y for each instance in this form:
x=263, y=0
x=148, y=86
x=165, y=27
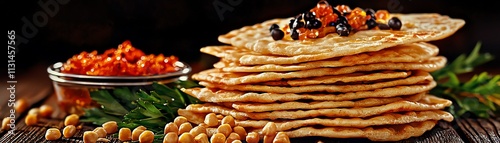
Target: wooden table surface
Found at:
x=35, y=86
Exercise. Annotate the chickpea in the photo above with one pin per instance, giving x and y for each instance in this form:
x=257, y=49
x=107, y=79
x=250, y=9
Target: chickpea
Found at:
x=72, y=119
x=46, y=111
x=90, y=137
x=34, y=111
x=101, y=133
x=270, y=129
x=281, y=137
x=198, y=130
x=170, y=137
x=137, y=132
x=141, y=127
x=186, y=138
x=103, y=140
x=31, y=119
x=268, y=139
x=240, y=131
x=171, y=127
x=185, y=127
x=219, y=117
x=5, y=123
x=252, y=137
x=201, y=138
x=237, y=141
x=228, y=120
x=225, y=129
x=211, y=120
x=232, y=137
x=52, y=134
x=69, y=131
x=125, y=134
x=111, y=127
x=21, y=105
x=146, y=137
x=179, y=120
x=218, y=138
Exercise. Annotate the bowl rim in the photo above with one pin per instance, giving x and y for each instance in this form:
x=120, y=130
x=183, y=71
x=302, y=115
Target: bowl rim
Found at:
x=184, y=69
x=109, y=84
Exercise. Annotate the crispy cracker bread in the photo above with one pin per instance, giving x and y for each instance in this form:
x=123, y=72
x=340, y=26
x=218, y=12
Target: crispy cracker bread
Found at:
x=377, y=133
x=416, y=78
x=232, y=78
x=209, y=95
x=297, y=105
x=238, y=59
x=345, y=78
x=383, y=119
x=427, y=103
x=416, y=28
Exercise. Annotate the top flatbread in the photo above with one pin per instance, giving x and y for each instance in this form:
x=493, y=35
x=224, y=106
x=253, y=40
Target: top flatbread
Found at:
x=416, y=28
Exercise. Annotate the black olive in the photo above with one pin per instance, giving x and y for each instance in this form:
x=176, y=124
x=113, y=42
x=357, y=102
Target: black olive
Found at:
x=291, y=23
x=371, y=23
x=342, y=29
x=332, y=24
x=309, y=16
x=337, y=12
x=313, y=24
x=298, y=24
x=298, y=17
x=295, y=35
x=369, y=11
x=395, y=23
x=383, y=26
x=277, y=34
x=274, y=26
x=347, y=13
x=341, y=19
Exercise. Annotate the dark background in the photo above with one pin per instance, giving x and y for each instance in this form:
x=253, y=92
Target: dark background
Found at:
x=181, y=28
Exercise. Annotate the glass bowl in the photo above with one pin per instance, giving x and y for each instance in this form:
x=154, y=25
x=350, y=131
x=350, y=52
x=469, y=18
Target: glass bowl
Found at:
x=73, y=90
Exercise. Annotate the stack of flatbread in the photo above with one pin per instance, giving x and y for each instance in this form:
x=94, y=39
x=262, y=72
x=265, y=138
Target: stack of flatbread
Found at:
x=371, y=84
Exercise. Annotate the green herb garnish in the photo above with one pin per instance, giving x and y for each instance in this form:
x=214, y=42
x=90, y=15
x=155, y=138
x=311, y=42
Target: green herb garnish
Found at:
x=152, y=108
x=480, y=95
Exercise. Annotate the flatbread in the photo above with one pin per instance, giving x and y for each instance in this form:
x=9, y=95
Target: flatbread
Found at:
x=345, y=78
x=237, y=59
x=232, y=78
x=297, y=105
x=377, y=133
x=427, y=103
x=418, y=77
x=416, y=28
x=383, y=119
x=212, y=95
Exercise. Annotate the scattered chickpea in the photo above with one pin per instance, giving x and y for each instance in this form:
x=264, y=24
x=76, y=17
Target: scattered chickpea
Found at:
x=72, y=119
x=252, y=137
x=52, y=134
x=137, y=132
x=268, y=139
x=185, y=127
x=281, y=137
x=211, y=120
x=218, y=138
x=111, y=127
x=201, y=138
x=186, y=138
x=90, y=137
x=170, y=137
x=146, y=137
x=198, y=130
x=21, y=105
x=31, y=119
x=101, y=133
x=270, y=129
x=179, y=120
x=46, y=111
x=236, y=141
x=69, y=131
x=141, y=127
x=232, y=137
x=34, y=111
x=225, y=129
x=5, y=123
x=103, y=140
x=228, y=120
x=125, y=134
x=240, y=131
x=171, y=127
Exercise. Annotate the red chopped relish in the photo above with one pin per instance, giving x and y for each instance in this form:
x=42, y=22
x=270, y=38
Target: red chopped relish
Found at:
x=341, y=19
